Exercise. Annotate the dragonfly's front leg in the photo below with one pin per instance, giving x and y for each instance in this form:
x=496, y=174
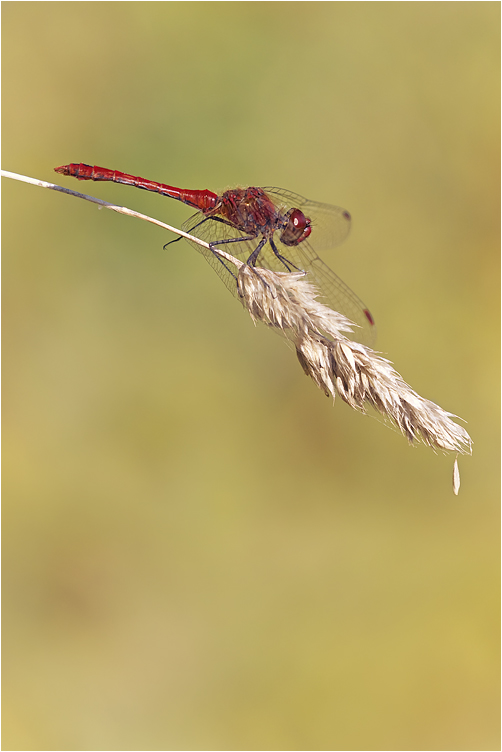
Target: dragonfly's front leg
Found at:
x=287, y=263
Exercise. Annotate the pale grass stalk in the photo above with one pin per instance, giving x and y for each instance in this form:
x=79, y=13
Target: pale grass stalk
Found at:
x=287, y=303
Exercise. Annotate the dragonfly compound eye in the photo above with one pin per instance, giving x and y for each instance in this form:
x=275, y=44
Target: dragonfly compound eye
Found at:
x=296, y=228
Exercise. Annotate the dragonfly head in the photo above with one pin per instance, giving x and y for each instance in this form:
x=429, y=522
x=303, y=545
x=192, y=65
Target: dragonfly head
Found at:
x=295, y=228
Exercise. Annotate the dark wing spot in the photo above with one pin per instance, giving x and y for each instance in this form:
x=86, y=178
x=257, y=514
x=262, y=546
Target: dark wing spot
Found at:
x=369, y=317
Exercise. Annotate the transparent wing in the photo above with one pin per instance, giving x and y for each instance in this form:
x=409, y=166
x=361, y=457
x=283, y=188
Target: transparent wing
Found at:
x=333, y=292
x=212, y=231
x=330, y=226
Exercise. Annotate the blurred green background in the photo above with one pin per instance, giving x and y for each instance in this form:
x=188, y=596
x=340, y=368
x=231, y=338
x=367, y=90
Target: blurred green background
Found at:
x=199, y=550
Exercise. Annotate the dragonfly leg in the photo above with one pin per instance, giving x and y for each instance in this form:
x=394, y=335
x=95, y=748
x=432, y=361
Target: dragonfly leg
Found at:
x=217, y=219
x=220, y=242
x=235, y=240
x=287, y=263
x=222, y=262
x=251, y=260
x=180, y=237
x=206, y=219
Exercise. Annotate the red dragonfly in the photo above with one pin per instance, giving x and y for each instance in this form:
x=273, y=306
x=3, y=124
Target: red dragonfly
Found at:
x=268, y=227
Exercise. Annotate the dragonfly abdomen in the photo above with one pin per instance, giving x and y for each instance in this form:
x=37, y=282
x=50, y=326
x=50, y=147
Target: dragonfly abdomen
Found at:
x=202, y=200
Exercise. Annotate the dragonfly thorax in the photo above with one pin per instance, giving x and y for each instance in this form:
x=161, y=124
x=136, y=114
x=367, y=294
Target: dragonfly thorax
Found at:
x=249, y=210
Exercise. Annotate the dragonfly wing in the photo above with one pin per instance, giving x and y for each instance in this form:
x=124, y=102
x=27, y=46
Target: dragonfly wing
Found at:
x=333, y=292
x=337, y=295
x=330, y=224
x=211, y=231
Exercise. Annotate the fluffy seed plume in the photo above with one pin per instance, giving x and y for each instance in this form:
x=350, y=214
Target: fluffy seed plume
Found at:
x=338, y=365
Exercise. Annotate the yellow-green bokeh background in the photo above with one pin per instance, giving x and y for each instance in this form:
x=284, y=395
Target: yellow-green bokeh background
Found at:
x=200, y=551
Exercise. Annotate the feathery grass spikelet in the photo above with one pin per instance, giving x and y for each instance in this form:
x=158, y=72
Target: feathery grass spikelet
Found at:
x=287, y=302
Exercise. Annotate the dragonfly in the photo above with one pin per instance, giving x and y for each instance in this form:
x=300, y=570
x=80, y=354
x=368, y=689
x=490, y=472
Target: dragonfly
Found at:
x=265, y=227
